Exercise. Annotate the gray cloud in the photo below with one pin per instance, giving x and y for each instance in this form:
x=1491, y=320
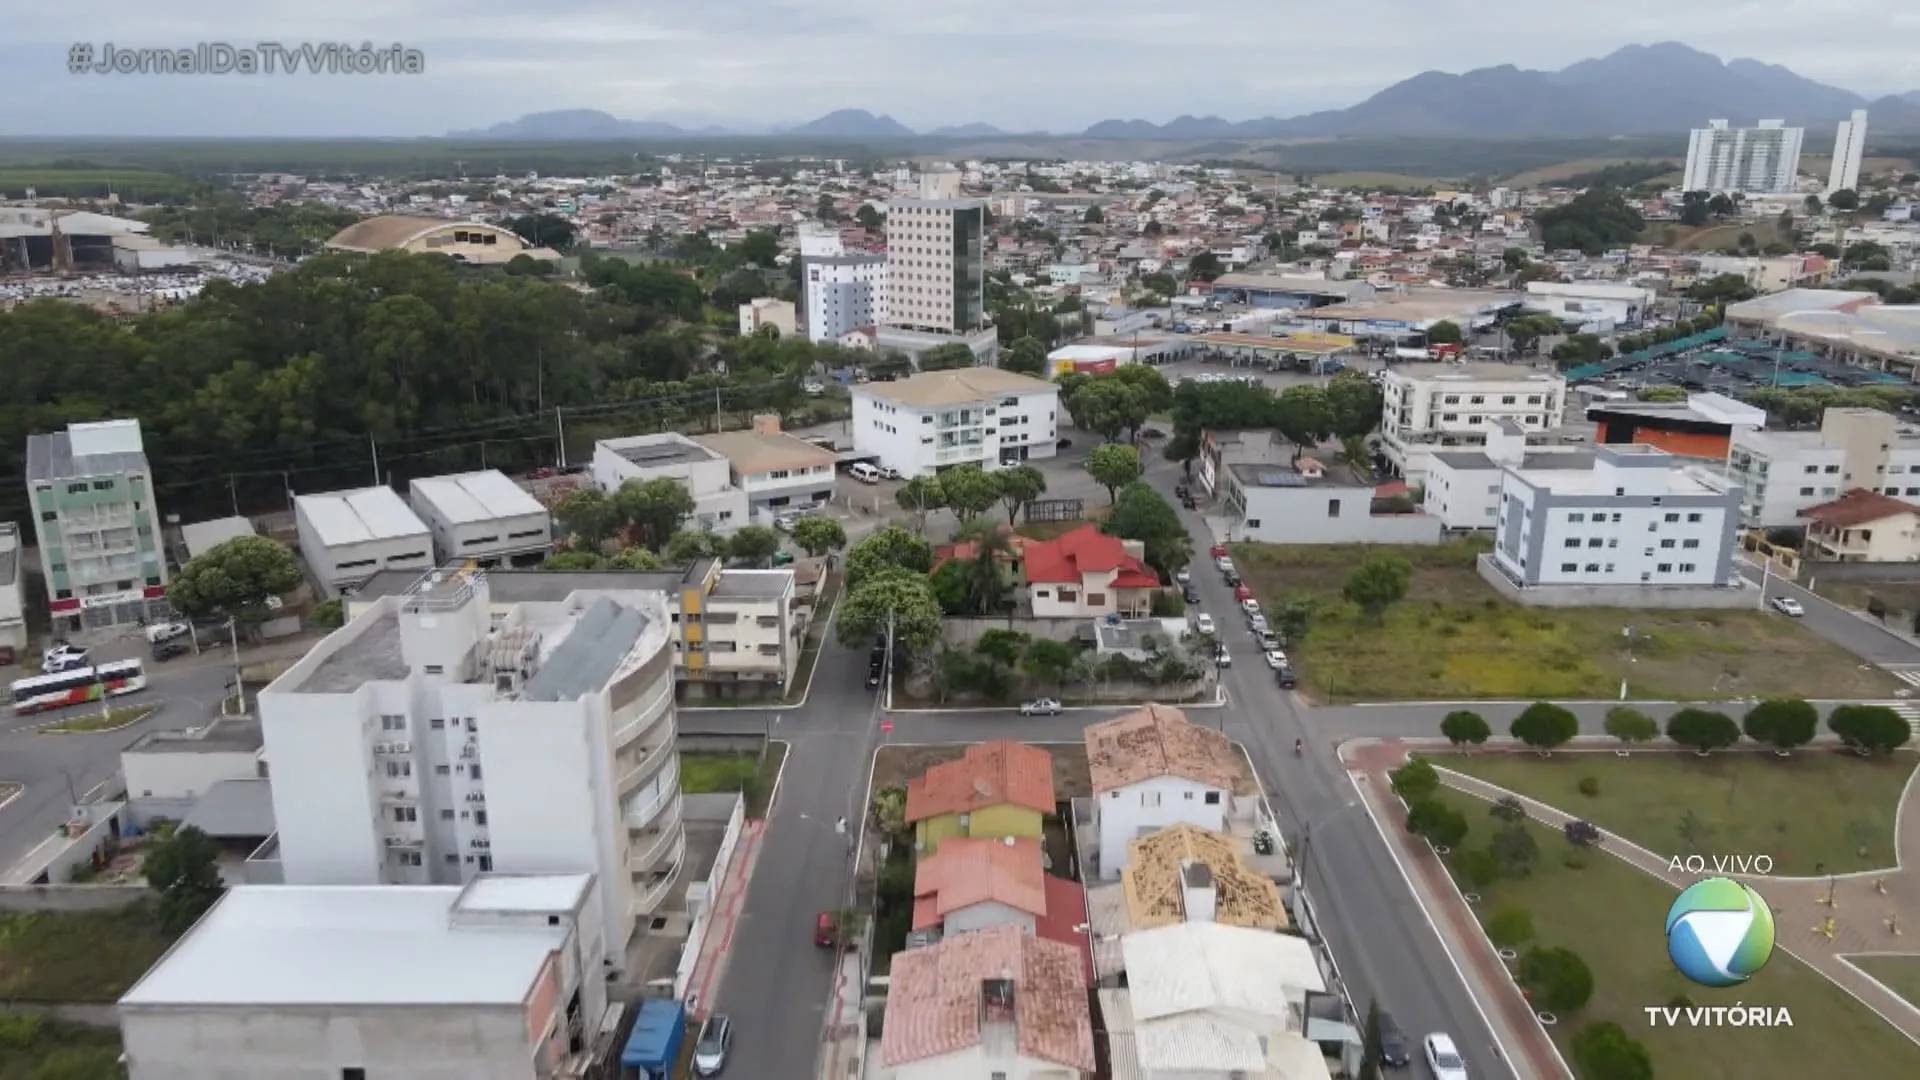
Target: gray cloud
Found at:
x=1020, y=64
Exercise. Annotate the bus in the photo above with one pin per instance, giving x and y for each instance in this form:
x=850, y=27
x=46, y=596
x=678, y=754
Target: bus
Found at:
x=78, y=686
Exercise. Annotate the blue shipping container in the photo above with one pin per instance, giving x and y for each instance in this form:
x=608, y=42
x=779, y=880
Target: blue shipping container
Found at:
x=654, y=1046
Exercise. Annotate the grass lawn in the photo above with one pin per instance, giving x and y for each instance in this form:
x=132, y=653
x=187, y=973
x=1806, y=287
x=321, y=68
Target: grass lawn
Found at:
x=77, y=955
x=1453, y=638
x=37, y=1047
x=704, y=773
x=1714, y=237
x=112, y=720
x=1900, y=974
x=771, y=762
x=1612, y=915
x=1812, y=808
x=1580, y=167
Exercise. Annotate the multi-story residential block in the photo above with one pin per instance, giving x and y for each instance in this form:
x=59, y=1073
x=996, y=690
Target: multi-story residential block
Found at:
x=997, y=1002
x=1463, y=486
x=966, y=416
x=736, y=633
x=777, y=471
x=347, y=537
x=13, y=601
x=1308, y=501
x=1088, y=574
x=842, y=293
x=1863, y=526
x=994, y=790
x=97, y=528
x=1760, y=160
x=287, y=982
x=1631, y=517
x=769, y=313
x=719, y=506
x=1430, y=407
x=1783, y=473
x=936, y=272
x=1849, y=150
x=429, y=740
x=482, y=517
x=1153, y=769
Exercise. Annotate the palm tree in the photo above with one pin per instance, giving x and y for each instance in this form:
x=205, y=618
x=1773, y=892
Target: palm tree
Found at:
x=987, y=584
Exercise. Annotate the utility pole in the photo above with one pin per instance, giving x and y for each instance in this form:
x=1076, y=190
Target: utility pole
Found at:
x=560, y=435
x=239, y=688
x=375, y=448
x=718, y=424
x=233, y=489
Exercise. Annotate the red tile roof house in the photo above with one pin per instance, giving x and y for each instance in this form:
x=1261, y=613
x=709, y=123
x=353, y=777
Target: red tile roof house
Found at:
x=978, y=884
x=1088, y=574
x=995, y=1002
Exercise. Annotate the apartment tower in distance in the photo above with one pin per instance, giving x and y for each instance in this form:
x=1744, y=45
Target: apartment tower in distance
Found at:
x=98, y=529
x=1849, y=147
x=841, y=292
x=434, y=738
x=1761, y=160
x=936, y=272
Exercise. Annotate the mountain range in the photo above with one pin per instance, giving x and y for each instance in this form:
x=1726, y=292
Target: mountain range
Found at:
x=1636, y=90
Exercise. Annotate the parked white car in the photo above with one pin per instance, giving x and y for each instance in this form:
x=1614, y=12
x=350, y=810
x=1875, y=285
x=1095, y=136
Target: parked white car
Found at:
x=1250, y=607
x=1443, y=1060
x=1223, y=564
x=1182, y=575
x=1040, y=707
x=1276, y=659
x=1203, y=624
x=1787, y=605
x=813, y=389
x=63, y=657
x=167, y=631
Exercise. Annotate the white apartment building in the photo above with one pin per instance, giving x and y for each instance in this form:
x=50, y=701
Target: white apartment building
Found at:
x=482, y=517
x=1431, y=407
x=1782, y=473
x=717, y=504
x=1849, y=150
x=777, y=471
x=429, y=740
x=768, y=312
x=97, y=528
x=841, y=294
x=1153, y=769
x=936, y=272
x=1463, y=486
x=1760, y=160
x=13, y=611
x=1630, y=518
x=499, y=979
x=965, y=416
x=1591, y=301
x=347, y=537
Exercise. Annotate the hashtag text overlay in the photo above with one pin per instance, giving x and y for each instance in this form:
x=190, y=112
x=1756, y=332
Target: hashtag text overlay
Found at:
x=262, y=58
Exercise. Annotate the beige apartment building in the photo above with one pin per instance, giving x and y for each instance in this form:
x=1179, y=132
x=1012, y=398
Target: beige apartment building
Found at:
x=936, y=271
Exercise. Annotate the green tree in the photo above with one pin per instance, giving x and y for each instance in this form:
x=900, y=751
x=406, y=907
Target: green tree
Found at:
x=1107, y=406
x=1557, y=978
x=1143, y=514
x=235, y=577
x=760, y=248
x=1294, y=618
x=1003, y=647
x=1353, y=405
x=1415, y=781
x=1703, y=729
x=952, y=585
x=1445, y=332
x=1205, y=266
x=1721, y=289
x=1464, y=727
x=1440, y=824
x=1093, y=216
x=946, y=357
x=1604, y=1051
x=544, y=230
x=1782, y=723
x=1545, y=726
x=1371, y=1046
x=1026, y=355
x=818, y=535
x=869, y=218
x=969, y=491
x=1017, y=486
x=574, y=561
x=1510, y=926
x=653, y=509
x=901, y=594
x=1525, y=332
x=635, y=558
x=1630, y=725
x=891, y=547
x=1377, y=583
x=183, y=869
x=754, y=545
x=989, y=583
x=1476, y=868
x=1869, y=729
x=1048, y=660
x=691, y=546
x=1844, y=199
x=1514, y=849
x=1304, y=415
x=921, y=496
x=1594, y=221
x=1113, y=466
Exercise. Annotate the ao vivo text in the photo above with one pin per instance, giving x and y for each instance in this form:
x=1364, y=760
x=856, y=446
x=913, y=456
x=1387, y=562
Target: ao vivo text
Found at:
x=1720, y=865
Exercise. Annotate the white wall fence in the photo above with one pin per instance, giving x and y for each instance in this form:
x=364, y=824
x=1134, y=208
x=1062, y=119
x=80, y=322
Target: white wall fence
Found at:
x=715, y=886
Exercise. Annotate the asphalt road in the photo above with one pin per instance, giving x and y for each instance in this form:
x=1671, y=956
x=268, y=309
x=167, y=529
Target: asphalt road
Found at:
x=1838, y=625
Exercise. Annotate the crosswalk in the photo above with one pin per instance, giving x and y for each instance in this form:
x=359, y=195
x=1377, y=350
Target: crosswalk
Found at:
x=1908, y=675
x=1909, y=711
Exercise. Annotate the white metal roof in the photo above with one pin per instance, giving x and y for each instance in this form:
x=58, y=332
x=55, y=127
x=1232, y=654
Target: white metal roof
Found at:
x=346, y=945
x=356, y=517
x=469, y=498
x=1190, y=967
x=525, y=892
x=203, y=536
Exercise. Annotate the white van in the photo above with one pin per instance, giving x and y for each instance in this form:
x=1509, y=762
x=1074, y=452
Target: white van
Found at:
x=865, y=473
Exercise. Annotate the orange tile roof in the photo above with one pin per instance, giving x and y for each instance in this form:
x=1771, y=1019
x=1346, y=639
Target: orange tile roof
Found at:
x=1066, y=920
x=969, y=871
x=1858, y=507
x=934, y=1002
x=1158, y=741
x=990, y=774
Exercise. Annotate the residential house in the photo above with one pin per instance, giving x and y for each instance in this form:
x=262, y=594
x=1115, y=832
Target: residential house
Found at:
x=1784, y=473
x=997, y=1003
x=1088, y=574
x=707, y=475
x=935, y=419
x=1185, y=874
x=1863, y=526
x=995, y=790
x=976, y=884
x=1309, y=501
x=779, y=472
x=1205, y=1001
x=1153, y=769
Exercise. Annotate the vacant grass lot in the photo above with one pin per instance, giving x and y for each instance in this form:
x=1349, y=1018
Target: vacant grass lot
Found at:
x=1452, y=638
x=111, y=720
x=36, y=1048
x=1713, y=237
x=1900, y=974
x=1380, y=181
x=77, y=955
x=1802, y=811
x=98, y=183
x=1581, y=167
x=1612, y=915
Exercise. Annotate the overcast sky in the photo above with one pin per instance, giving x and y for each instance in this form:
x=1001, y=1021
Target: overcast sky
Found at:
x=1019, y=64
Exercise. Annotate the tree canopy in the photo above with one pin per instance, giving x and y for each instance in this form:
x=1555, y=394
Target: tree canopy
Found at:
x=234, y=577
x=1113, y=467
x=1592, y=222
x=1141, y=513
x=892, y=546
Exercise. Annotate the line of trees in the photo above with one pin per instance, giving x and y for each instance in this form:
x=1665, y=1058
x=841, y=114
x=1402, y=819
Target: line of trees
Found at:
x=1781, y=724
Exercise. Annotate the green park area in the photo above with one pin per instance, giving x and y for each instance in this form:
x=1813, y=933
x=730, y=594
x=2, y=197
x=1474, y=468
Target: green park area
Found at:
x=1808, y=811
x=1900, y=974
x=136, y=184
x=750, y=774
x=37, y=1048
x=1611, y=916
x=1448, y=636
x=77, y=956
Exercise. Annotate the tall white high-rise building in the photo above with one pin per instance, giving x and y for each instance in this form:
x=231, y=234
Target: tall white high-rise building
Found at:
x=431, y=739
x=1849, y=147
x=936, y=271
x=1760, y=160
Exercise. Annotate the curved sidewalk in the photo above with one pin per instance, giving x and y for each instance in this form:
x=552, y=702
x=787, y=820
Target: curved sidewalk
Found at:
x=1860, y=911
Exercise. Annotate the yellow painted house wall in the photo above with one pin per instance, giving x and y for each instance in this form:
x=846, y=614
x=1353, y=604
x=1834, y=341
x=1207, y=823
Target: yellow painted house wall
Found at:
x=994, y=821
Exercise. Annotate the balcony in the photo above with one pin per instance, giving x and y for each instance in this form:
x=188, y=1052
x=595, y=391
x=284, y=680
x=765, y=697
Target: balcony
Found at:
x=634, y=770
x=665, y=833
x=658, y=708
x=655, y=891
x=669, y=793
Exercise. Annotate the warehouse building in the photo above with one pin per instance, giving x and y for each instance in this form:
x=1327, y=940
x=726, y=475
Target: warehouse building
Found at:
x=347, y=537
x=482, y=517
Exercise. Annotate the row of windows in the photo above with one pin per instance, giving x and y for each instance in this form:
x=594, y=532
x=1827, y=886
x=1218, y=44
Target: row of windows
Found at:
x=1595, y=568
x=1476, y=418
x=1614, y=542
x=1481, y=399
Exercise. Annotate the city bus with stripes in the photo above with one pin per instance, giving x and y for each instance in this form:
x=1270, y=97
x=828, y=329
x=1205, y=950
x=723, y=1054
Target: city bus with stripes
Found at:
x=78, y=686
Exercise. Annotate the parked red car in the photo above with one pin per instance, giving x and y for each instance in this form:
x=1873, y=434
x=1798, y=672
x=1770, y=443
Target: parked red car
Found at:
x=1241, y=592
x=1219, y=550
x=824, y=932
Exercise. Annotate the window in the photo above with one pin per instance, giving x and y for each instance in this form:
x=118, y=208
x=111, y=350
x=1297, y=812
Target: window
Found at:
x=475, y=771
x=1253, y=523
x=1187, y=795
x=446, y=815
x=441, y=770
x=1689, y=543
x=479, y=817
x=1593, y=568
x=353, y=1074
x=405, y=813
x=486, y=864
x=1665, y=568
x=1212, y=799
x=1831, y=469
x=1149, y=798
x=1573, y=541
x=1666, y=543
x=409, y=858
x=1686, y=568
x=59, y=568
x=1594, y=543
x=398, y=769
x=1569, y=567
x=1333, y=508
x=1813, y=470
x=1670, y=518
x=437, y=723
x=1575, y=519
x=1095, y=599
x=390, y=722
x=1806, y=491
x=1694, y=518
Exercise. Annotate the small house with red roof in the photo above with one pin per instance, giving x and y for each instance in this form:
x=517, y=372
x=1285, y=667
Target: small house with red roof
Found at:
x=1088, y=574
x=1863, y=526
x=994, y=790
